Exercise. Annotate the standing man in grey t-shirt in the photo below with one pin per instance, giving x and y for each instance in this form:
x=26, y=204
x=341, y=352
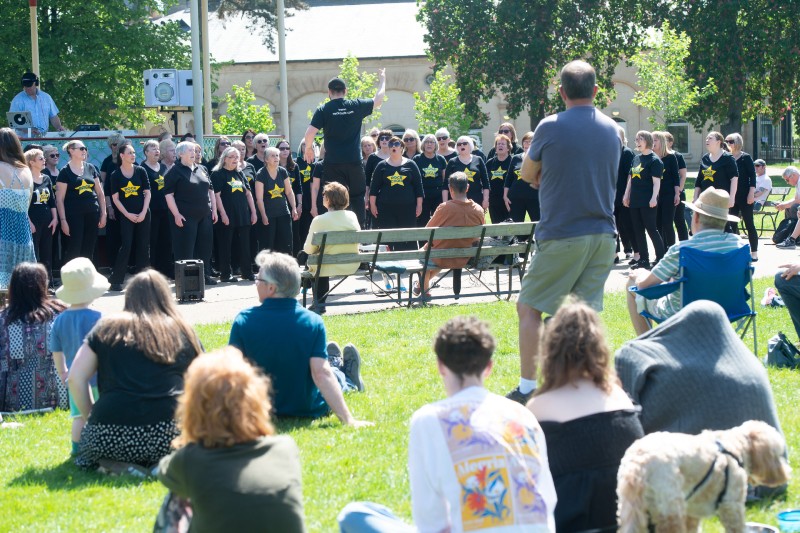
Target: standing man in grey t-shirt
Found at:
x=573, y=162
x=340, y=121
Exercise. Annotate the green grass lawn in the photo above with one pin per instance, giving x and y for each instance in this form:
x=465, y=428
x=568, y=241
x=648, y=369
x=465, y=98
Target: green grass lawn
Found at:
x=42, y=491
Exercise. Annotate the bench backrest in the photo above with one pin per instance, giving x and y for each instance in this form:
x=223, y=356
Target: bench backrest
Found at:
x=780, y=191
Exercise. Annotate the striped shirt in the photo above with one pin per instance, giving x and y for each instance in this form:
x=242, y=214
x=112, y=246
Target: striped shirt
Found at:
x=710, y=240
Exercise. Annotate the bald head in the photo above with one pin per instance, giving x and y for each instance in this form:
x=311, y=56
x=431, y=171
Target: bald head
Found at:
x=578, y=80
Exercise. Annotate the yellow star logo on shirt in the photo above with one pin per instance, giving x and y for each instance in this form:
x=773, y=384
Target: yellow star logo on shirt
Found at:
x=236, y=185
x=130, y=189
x=708, y=173
x=84, y=187
x=160, y=182
x=44, y=196
x=396, y=179
x=516, y=173
x=306, y=174
x=636, y=172
x=276, y=192
x=469, y=174
x=429, y=171
x=498, y=174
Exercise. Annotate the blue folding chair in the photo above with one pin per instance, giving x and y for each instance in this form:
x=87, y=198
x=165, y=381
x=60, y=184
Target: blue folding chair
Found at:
x=720, y=277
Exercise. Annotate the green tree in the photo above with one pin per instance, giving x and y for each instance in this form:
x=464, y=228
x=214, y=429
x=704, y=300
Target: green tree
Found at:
x=241, y=113
x=92, y=55
x=517, y=48
x=441, y=107
x=750, y=48
x=666, y=90
x=359, y=85
x=261, y=15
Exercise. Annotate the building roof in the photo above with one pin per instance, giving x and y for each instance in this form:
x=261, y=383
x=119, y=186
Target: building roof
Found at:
x=325, y=31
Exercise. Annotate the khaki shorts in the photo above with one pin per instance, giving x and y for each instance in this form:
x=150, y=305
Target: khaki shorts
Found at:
x=560, y=267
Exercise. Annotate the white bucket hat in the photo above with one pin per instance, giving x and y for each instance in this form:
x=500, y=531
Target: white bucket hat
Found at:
x=713, y=203
x=81, y=283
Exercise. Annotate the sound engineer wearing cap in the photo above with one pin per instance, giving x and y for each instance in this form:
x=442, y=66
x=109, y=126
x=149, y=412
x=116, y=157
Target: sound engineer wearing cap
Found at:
x=41, y=106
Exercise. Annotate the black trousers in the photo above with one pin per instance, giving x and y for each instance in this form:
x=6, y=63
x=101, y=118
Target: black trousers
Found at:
x=277, y=235
x=745, y=211
x=622, y=216
x=128, y=232
x=82, y=235
x=303, y=224
x=161, y=242
x=398, y=216
x=193, y=240
x=522, y=206
x=680, y=220
x=430, y=202
x=227, y=236
x=497, y=209
x=352, y=176
x=43, y=245
x=113, y=237
x=644, y=219
x=665, y=219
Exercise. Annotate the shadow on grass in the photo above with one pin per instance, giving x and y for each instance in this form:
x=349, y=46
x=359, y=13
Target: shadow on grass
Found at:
x=67, y=476
x=286, y=424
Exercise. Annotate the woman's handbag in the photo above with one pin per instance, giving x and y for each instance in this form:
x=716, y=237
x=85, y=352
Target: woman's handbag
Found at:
x=781, y=353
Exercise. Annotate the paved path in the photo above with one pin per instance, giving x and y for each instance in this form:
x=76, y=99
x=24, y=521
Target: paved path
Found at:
x=222, y=302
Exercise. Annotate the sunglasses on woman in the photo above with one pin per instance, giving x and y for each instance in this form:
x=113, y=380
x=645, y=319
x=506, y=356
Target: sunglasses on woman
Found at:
x=394, y=144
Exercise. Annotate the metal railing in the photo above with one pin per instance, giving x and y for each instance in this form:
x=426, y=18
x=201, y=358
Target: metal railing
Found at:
x=773, y=153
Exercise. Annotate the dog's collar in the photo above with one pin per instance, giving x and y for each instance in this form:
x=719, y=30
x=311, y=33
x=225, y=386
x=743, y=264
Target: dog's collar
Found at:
x=722, y=450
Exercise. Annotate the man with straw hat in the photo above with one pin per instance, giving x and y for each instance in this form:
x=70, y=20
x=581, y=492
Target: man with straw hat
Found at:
x=710, y=214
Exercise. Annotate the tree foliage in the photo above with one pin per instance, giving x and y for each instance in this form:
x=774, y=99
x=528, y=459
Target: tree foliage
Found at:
x=666, y=90
x=241, y=113
x=441, y=107
x=517, y=48
x=359, y=85
x=750, y=48
x=92, y=54
x=261, y=15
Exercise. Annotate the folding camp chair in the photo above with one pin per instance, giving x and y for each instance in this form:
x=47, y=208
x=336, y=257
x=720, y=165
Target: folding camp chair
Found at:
x=720, y=277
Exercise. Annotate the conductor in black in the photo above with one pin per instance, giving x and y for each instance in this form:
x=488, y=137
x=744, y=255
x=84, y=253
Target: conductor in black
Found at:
x=340, y=120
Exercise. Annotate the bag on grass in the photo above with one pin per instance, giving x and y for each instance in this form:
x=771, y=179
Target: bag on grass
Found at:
x=781, y=353
x=784, y=229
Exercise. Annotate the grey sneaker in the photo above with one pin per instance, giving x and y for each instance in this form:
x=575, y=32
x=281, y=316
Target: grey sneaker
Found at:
x=352, y=366
x=788, y=244
x=518, y=397
x=335, y=355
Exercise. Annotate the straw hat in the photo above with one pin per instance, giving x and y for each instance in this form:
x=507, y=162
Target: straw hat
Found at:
x=80, y=282
x=713, y=203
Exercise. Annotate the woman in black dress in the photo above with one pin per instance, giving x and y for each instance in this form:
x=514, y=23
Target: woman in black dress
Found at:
x=717, y=169
x=431, y=165
x=130, y=192
x=42, y=214
x=507, y=129
x=160, y=231
x=497, y=168
x=190, y=199
x=745, y=191
x=475, y=169
x=381, y=155
x=287, y=162
x=305, y=171
x=520, y=198
x=237, y=213
x=670, y=193
x=276, y=203
x=80, y=202
x=681, y=225
x=641, y=196
x=395, y=198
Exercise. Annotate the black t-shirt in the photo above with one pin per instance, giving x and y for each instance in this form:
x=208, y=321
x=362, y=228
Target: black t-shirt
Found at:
x=369, y=168
x=43, y=200
x=109, y=167
x=305, y=171
x=449, y=156
x=156, y=177
x=130, y=191
x=497, y=170
x=670, y=179
x=681, y=166
x=396, y=185
x=479, y=154
x=249, y=172
x=256, y=162
x=340, y=122
x=294, y=177
x=718, y=174
x=518, y=189
x=232, y=187
x=747, y=177
x=476, y=175
x=190, y=189
x=80, y=196
x=644, y=169
x=623, y=171
x=432, y=171
x=275, y=203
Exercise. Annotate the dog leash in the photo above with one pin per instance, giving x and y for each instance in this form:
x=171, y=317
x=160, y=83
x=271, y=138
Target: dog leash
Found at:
x=710, y=471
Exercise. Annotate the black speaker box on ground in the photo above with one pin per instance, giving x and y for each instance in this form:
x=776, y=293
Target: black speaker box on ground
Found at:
x=190, y=281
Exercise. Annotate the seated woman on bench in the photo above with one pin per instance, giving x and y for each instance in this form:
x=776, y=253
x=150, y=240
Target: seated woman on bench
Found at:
x=459, y=211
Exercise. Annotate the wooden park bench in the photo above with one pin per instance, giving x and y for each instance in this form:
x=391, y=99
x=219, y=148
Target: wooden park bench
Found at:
x=375, y=255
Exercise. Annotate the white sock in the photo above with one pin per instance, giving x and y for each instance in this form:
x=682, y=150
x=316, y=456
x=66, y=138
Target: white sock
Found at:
x=526, y=386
